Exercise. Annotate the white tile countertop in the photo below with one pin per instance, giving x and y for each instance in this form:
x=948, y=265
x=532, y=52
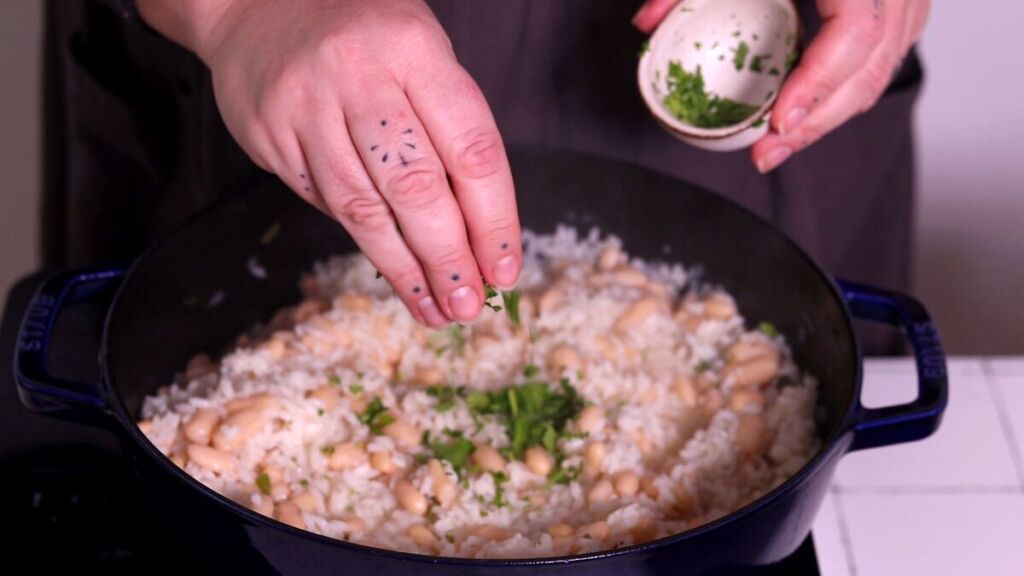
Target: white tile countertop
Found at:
x=952, y=504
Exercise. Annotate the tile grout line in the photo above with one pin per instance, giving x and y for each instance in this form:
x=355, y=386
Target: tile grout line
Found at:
x=844, y=531
x=1004, y=420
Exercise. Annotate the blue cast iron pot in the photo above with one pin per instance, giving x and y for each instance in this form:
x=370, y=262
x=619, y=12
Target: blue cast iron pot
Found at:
x=194, y=291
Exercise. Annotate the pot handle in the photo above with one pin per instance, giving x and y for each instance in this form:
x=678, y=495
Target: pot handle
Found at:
x=917, y=419
x=39, y=390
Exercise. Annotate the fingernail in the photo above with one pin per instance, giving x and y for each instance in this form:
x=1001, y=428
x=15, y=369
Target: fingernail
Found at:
x=431, y=313
x=465, y=304
x=506, y=272
x=793, y=119
x=773, y=158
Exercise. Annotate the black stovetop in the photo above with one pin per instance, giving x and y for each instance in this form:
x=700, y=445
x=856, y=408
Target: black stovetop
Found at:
x=68, y=496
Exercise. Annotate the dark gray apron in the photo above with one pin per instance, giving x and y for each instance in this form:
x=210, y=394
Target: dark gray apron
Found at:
x=134, y=142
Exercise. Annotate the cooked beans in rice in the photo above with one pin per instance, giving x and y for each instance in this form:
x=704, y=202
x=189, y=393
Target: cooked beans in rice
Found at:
x=611, y=404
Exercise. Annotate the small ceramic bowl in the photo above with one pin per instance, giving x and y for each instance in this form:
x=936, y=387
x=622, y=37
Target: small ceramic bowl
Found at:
x=743, y=49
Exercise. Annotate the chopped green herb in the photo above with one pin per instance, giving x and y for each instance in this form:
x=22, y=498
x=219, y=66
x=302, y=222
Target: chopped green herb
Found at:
x=271, y=233
x=549, y=438
x=562, y=475
x=359, y=375
x=457, y=340
x=355, y=388
x=736, y=34
x=304, y=483
x=689, y=102
x=532, y=412
x=490, y=292
x=500, y=478
x=702, y=367
x=319, y=411
x=644, y=48
x=334, y=380
x=741, y=55
x=774, y=71
x=511, y=300
x=327, y=451
x=791, y=60
x=697, y=45
x=376, y=416
x=456, y=450
x=530, y=370
x=449, y=537
x=263, y=483
x=759, y=123
x=445, y=395
x=756, y=63
x=768, y=329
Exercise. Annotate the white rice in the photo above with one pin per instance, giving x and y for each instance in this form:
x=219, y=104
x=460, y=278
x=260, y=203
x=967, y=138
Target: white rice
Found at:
x=352, y=349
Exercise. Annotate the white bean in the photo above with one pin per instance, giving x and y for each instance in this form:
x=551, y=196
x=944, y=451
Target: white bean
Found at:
x=290, y=514
x=444, y=488
x=493, y=532
x=538, y=460
x=201, y=425
x=636, y=314
x=561, y=529
x=685, y=390
x=410, y=497
x=422, y=536
x=719, y=306
x=327, y=394
x=593, y=457
x=383, y=463
x=596, y=530
x=629, y=277
x=591, y=420
x=748, y=349
x=742, y=399
x=488, y=459
x=262, y=401
x=428, y=376
x=756, y=372
x=210, y=458
x=602, y=491
x=307, y=309
x=626, y=483
x=354, y=302
x=564, y=359
x=346, y=455
x=306, y=501
x=550, y=299
x=237, y=428
x=198, y=366
x=647, y=487
x=683, y=501
x=403, y=434
x=263, y=505
x=644, y=530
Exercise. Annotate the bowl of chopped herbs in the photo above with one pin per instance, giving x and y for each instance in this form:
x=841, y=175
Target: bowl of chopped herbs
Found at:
x=712, y=70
